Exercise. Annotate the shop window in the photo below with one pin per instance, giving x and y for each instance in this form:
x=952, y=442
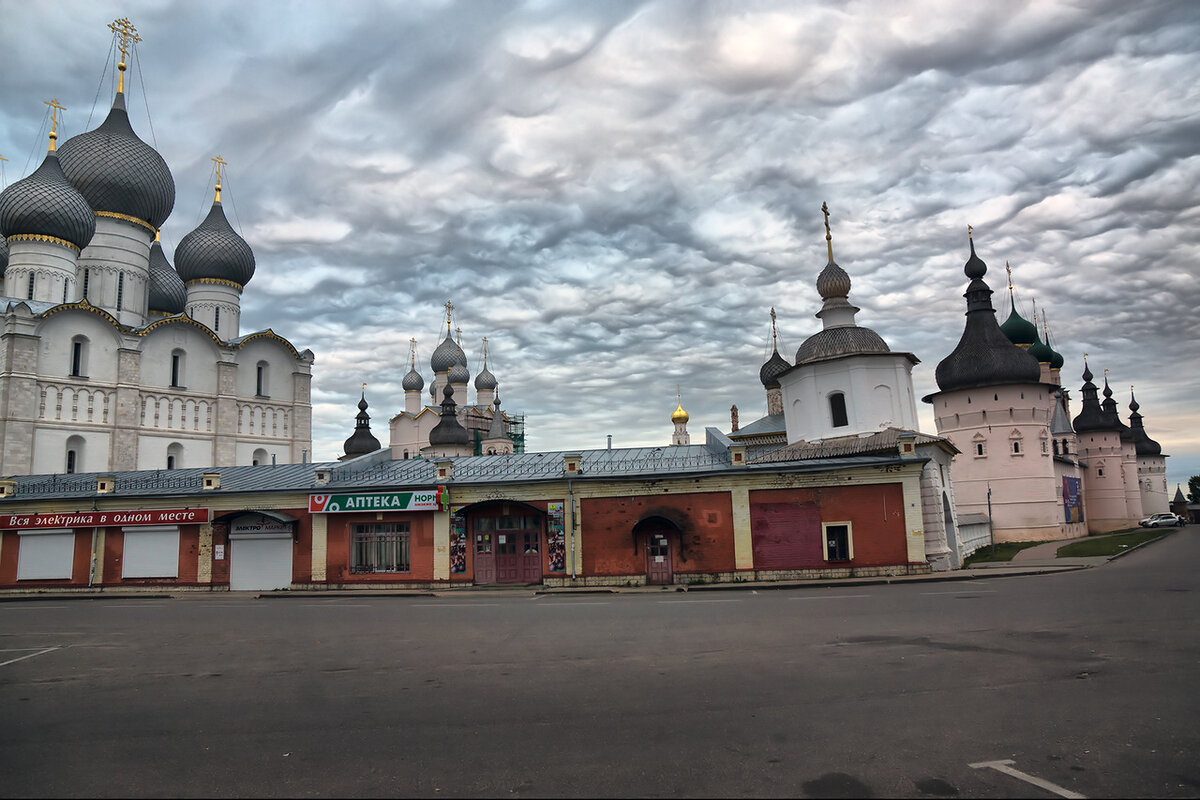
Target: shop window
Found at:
x=839, y=545
x=79, y=354
x=379, y=548
x=837, y=410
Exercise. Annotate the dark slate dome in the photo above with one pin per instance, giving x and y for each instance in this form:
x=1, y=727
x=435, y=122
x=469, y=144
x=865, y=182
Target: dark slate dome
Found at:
x=214, y=250
x=1091, y=417
x=46, y=204
x=445, y=355
x=413, y=382
x=362, y=441
x=1142, y=443
x=3, y=254
x=485, y=381
x=1109, y=407
x=984, y=356
x=458, y=374
x=769, y=372
x=118, y=172
x=846, y=340
x=449, y=430
x=167, y=292
x=1019, y=330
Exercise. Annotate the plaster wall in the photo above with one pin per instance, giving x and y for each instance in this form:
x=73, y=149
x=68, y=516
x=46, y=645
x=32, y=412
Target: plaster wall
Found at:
x=1152, y=481
x=52, y=265
x=1104, y=497
x=877, y=388
x=205, y=298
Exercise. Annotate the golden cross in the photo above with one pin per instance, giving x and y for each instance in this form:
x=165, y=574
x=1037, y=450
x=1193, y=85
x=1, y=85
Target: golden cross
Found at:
x=412, y=352
x=774, y=337
x=55, y=107
x=485, y=352
x=449, y=309
x=220, y=162
x=124, y=29
x=458, y=330
x=970, y=231
x=828, y=235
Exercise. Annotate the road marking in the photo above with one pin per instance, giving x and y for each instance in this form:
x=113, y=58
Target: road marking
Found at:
x=699, y=601
x=965, y=591
x=585, y=603
x=1004, y=766
x=831, y=597
x=336, y=604
x=31, y=655
x=454, y=605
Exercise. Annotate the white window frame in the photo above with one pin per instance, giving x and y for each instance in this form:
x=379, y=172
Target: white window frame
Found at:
x=41, y=554
x=849, y=539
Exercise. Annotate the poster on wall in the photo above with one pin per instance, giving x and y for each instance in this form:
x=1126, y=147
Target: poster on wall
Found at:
x=458, y=541
x=555, y=539
x=1072, y=500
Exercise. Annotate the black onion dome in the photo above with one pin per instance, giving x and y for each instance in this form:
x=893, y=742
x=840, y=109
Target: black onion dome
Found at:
x=984, y=355
x=118, y=172
x=362, y=441
x=1018, y=329
x=1142, y=443
x=485, y=381
x=449, y=430
x=1091, y=416
x=445, y=355
x=1109, y=408
x=458, y=374
x=3, y=254
x=214, y=250
x=768, y=373
x=843, y=340
x=46, y=204
x=167, y=292
x=413, y=382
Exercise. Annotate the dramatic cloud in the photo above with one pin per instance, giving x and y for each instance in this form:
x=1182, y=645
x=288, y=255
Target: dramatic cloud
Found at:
x=616, y=193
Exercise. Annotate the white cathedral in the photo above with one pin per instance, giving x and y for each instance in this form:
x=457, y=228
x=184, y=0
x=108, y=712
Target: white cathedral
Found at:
x=110, y=358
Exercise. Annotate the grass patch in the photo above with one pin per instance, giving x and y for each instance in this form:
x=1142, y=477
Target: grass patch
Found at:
x=1111, y=545
x=1001, y=551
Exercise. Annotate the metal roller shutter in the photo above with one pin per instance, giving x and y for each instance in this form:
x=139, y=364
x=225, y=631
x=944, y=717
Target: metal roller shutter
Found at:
x=151, y=552
x=786, y=535
x=45, y=555
x=260, y=562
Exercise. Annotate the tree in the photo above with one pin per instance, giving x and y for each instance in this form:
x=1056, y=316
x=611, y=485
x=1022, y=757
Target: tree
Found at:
x=1194, y=489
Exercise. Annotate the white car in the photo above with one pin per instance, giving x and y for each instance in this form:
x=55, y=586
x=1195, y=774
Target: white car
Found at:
x=1165, y=520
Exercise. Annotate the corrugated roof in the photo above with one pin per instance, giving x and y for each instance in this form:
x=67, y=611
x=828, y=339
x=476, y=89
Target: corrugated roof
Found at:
x=842, y=446
x=772, y=423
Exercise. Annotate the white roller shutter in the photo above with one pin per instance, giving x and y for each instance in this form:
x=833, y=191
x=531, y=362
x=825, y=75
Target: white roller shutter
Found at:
x=151, y=552
x=46, y=555
x=260, y=562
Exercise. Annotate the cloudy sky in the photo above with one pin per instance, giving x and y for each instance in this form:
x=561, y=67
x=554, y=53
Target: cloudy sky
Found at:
x=615, y=194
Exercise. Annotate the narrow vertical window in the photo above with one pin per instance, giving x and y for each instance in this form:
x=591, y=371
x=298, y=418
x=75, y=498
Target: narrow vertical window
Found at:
x=31, y=286
x=177, y=367
x=120, y=289
x=66, y=288
x=217, y=321
x=71, y=462
x=77, y=356
x=837, y=410
x=170, y=462
x=87, y=274
x=262, y=379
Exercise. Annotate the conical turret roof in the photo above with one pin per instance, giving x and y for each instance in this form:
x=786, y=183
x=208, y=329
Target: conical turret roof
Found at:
x=449, y=431
x=1091, y=417
x=362, y=441
x=1143, y=444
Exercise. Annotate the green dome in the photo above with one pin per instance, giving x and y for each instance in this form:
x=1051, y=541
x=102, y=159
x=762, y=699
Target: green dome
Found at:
x=1042, y=352
x=1019, y=330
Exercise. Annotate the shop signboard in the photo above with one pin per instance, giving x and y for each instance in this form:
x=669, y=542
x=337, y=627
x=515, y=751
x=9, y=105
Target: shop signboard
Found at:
x=257, y=523
x=420, y=500
x=100, y=519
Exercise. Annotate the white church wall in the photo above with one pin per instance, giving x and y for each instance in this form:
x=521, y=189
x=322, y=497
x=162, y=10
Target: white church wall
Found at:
x=279, y=363
x=198, y=373
x=249, y=451
x=189, y=451
x=117, y=249
x=50, y=449
x=877, y=390
x=101, y=342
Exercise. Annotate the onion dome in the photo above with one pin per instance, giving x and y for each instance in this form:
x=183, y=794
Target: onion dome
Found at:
x=1109, y=407
x=3, y=254
x=485, y=381
x=449, y=430
x=1091, y=417
x=1019, y=330
x=167, y=292
x=1143, y=444
x=445, y=355
x=458, y=374
x=214, y=251
x=1056, y=359
x=117, y=172
x=46, y=204
x=1041, y=351
x=413, y=382
x=768, y=373
x=361, y=441
x=984, y=356
x=679, y=415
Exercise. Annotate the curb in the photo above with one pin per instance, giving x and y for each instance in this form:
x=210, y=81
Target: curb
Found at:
x=335, y=595
x=13, y=598
x=1124, y=553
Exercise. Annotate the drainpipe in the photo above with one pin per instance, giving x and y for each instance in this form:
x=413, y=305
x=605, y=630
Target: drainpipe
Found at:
x=92, y=571
x=571, y=534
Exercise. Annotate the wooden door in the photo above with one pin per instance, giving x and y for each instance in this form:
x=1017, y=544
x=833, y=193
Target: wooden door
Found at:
x=508, y=557
x=485, y=558
x=658, y=559
x=531, y=557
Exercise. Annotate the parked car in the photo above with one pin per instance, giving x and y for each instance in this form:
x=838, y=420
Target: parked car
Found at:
x=1164, y=520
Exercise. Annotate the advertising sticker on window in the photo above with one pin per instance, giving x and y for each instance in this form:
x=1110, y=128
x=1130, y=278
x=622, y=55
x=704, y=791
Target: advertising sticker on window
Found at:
x=555, y=538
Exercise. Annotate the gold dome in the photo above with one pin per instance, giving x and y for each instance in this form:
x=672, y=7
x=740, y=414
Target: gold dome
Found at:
x=679, y=415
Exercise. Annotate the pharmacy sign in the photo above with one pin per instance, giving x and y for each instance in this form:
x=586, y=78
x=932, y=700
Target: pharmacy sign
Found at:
x=421, y=500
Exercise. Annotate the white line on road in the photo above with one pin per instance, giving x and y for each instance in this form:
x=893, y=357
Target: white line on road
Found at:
x=699, y=601
x=336, y=604
x=831, y=597
x=1005, y=767
x=454, y=605
x=585, y=603
x=965, y=591
x=29, y=606
x=31, y=655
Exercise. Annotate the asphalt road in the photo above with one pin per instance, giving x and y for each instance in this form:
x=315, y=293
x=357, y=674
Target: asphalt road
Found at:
x=1085, y=680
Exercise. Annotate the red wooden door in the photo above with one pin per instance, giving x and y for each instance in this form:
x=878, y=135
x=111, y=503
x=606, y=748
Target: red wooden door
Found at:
x=508, y=557
x=531, y=557
x=485, y=559
x=658, y=559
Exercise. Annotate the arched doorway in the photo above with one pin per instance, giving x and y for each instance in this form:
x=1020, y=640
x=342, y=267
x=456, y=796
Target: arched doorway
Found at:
x=659, y=538
x=506, y=538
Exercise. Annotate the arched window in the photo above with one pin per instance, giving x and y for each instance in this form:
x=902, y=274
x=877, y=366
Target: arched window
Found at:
x=262, y=379
x=74, y=458
x=405, y=455
x=177, y=365
x=260, y=457
x=837, y=410
x=79, y=354
x=174, y=455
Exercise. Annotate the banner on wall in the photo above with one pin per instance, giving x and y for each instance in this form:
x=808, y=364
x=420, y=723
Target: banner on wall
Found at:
x=1072, y=500
x=422, y=500
x=99, y=519
x=458, y=541
x=555, y=538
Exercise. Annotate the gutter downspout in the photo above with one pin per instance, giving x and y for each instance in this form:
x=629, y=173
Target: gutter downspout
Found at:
x=92, y=570
x=571, y=537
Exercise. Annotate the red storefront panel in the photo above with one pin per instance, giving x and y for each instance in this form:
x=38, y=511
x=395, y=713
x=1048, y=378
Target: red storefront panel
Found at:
x=786, y=535
x=611, y=548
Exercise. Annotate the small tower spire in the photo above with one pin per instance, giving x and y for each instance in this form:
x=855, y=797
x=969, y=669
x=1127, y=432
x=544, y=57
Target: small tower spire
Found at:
x=220, y=162
x=485, y=352
x=55, y=108
x=449, y=314
x=126, y=34
x=828, y=235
